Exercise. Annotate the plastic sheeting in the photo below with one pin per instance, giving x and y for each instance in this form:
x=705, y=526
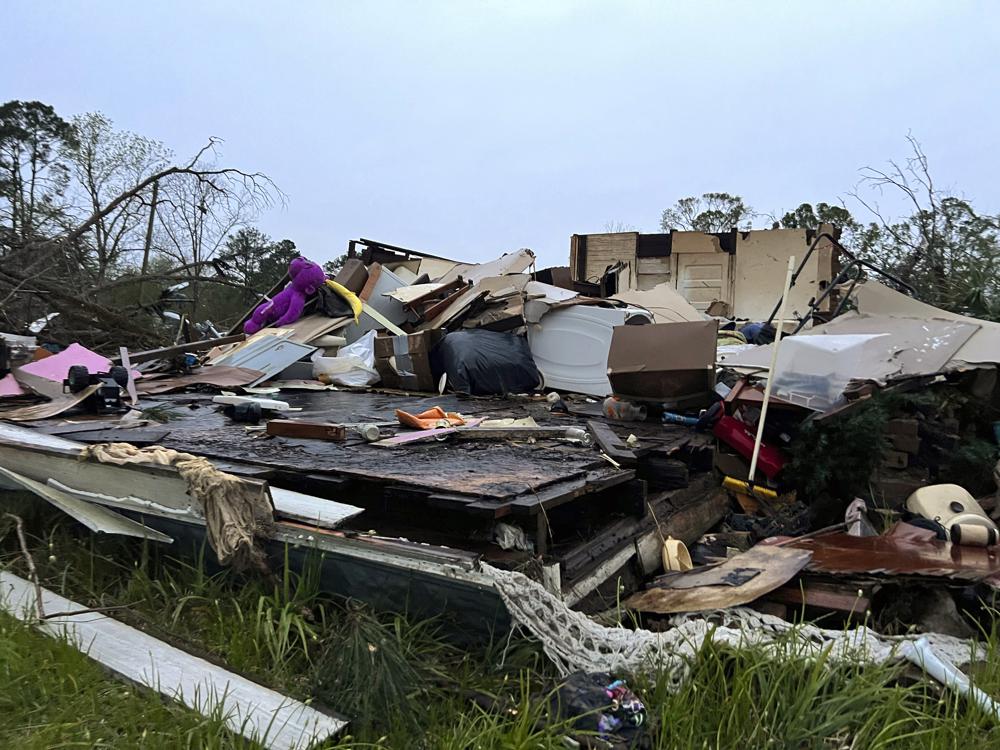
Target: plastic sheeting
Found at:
x=483, y=363
x=354, y=364
x=814, y=367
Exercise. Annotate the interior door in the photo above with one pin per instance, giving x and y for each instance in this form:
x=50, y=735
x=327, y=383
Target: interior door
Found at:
x=703, y=278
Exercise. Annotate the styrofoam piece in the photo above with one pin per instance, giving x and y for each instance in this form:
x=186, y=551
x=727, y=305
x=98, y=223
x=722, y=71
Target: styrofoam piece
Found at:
x=265, y=403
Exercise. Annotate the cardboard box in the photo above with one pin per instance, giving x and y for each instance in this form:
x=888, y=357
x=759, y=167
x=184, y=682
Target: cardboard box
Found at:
x=670, y=363
x=404, y=361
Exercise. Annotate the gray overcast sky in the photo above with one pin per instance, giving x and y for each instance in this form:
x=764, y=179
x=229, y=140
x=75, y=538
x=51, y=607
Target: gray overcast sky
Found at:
x=472, y=128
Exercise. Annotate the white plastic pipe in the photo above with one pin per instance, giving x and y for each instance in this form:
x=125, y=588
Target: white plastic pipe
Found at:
x=923, y=655
x=774, y=359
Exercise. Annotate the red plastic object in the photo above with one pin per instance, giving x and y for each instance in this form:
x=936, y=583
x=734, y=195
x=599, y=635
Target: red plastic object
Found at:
x=738, y=436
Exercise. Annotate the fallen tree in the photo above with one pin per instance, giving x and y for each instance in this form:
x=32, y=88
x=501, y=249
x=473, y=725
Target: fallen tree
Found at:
x=55, y=260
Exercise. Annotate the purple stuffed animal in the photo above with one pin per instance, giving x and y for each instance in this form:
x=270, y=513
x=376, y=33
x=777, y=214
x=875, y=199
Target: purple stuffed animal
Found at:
x=286, y=307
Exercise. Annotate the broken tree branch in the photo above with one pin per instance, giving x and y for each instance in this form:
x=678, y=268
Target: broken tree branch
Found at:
x=30, y=562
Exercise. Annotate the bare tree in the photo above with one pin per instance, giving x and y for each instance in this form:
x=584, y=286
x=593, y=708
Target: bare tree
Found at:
x=44, y=268
x=194, y=220
x=106, y=163
x=947, y=250
x=613, y=227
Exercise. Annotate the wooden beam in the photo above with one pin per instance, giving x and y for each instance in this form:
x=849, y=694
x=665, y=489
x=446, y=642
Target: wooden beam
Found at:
x=842, y=597
x=169, y=351
x=612, y=444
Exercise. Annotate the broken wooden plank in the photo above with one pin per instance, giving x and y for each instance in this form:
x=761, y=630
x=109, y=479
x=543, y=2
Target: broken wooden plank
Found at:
x=422, y=436
x=297, y=506
x=591, y=581
x=138, y=436
x=612, y=444
x=523, y=433
x=662, y=472
x=739, y=580
x=300, y=428
x=560, y=493
x=251, y=710
x=688, y=523
x=170, y=351
x=434, y=294
x=834, y=595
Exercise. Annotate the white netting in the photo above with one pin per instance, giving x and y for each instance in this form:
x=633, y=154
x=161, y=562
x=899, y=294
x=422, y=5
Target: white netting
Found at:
x=575, y=642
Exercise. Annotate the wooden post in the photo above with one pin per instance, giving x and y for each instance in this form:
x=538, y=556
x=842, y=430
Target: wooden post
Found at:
x=773, y=371
x=149, y=240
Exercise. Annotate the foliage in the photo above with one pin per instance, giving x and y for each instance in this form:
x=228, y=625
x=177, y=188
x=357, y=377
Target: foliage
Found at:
x=260, y=261
x=945, y=248
x=971, y=466
x=780, y=698
x=33, y=177
x=332, y=267
x=838, y=455
x=374, y=667
x=807, y=217
x=711, y=212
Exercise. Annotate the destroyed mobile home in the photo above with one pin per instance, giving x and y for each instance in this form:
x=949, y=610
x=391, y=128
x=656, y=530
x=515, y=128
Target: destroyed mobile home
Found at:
x=676, y=423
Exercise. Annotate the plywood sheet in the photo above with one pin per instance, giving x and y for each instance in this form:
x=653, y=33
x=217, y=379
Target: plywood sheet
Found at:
x=221, y=376
x=739, y=580
x=665, y=303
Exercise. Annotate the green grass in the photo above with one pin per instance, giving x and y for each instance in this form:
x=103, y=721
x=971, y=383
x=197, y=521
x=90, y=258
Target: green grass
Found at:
x=51, y=695
x=403, y=684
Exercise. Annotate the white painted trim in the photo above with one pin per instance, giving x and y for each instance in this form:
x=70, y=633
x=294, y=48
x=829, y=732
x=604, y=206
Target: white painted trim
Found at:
x=254, y=711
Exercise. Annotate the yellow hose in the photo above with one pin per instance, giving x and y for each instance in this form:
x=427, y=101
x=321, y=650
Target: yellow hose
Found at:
x=347, y=294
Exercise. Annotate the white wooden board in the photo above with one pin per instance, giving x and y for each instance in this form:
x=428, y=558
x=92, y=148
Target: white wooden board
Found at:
x=254, y=711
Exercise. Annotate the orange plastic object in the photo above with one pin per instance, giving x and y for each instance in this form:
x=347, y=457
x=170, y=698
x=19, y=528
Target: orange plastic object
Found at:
x=428, y=420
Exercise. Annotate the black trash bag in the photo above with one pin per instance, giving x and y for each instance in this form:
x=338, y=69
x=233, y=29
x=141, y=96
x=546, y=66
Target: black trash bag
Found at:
x=331, y=304
x=486, y=363
x=602, y=705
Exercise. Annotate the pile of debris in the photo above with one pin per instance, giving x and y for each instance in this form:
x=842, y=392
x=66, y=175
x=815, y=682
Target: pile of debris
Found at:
x=422, y=421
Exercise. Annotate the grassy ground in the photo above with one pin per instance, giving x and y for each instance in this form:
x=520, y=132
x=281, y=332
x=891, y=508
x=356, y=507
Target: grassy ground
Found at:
x=402, y=683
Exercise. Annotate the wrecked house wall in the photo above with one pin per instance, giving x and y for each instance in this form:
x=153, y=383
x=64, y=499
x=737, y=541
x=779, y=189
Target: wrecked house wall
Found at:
x=591, y=254
x=744, y=270
x=761, y=259
x=701, y=268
